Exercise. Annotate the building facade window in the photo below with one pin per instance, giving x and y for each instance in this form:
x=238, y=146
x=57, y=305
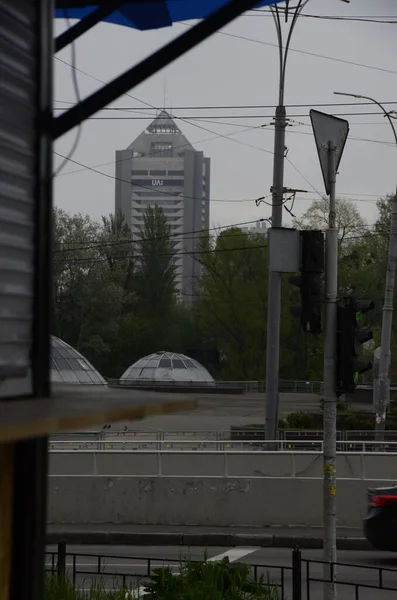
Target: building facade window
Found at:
x=161, y=149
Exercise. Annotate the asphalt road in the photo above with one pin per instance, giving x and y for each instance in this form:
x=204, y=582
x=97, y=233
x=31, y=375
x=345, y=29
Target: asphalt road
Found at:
x=217, y=412
x=274, y=562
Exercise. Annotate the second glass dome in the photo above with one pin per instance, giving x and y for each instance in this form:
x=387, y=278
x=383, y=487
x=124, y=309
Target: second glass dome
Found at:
x=165, y=367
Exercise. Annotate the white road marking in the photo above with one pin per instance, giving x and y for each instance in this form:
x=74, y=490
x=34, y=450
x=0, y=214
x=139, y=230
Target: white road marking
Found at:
x=136, y=593
x=234, y=554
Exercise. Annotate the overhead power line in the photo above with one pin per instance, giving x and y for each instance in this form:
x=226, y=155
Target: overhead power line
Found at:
x=222, y=117
x=364, y=19
x=170, y=254
x=157, y=191
x=91, y=245
x=157, y=152
x=236, y=106
x=367, y=235
x=304, y=52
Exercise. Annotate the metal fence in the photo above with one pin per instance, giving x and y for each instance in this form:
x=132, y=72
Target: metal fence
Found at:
x=201, y=445
x=285, y=385
x=222, y=435
x=299, y=580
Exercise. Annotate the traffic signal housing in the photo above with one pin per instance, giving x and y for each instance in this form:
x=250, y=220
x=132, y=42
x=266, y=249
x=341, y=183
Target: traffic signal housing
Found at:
x=309, y=281
x=349, y=335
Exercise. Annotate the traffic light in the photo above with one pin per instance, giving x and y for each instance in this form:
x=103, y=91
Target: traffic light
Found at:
x=309, y=281
x=348, y=334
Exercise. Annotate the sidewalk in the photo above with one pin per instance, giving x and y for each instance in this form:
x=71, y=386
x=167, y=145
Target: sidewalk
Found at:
x=185, y=535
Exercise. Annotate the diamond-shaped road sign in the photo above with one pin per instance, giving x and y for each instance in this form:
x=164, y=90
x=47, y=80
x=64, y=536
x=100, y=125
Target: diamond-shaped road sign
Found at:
x=327, y=128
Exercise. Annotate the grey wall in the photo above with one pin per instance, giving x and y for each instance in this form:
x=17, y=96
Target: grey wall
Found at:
x=201, y=501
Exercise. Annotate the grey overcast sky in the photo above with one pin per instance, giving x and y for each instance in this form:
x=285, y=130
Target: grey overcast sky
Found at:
x=238, y=66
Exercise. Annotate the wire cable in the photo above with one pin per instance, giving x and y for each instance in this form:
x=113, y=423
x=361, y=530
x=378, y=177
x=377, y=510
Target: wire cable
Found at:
x=232, y=106
x=304, y=52
x=368, y=235
x=363, y=19
x=169, y=254
x=157, y=191
x=78, y=99
x=157, y=152
x=174, y=234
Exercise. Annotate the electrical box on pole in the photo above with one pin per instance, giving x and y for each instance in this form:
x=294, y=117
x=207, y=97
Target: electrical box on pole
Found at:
x=349, y=336
x=309, y=281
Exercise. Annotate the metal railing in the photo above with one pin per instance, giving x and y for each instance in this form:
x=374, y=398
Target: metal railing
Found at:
x=201, y=445
x=222, y=435
x=285, y=385
x=298, y=580
x=235, y=464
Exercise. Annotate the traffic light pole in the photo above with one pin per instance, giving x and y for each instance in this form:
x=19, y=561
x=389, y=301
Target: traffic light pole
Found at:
x=329, y=447
x=383, y=383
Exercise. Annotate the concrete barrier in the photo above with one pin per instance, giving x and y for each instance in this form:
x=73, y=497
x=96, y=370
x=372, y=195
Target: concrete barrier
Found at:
x=256, y=502
x=295, y=464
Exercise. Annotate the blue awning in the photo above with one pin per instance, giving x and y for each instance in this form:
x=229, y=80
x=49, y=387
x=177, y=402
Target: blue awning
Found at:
x=150, y=14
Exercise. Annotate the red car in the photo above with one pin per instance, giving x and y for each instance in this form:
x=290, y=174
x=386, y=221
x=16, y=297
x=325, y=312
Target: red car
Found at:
x=380, y=524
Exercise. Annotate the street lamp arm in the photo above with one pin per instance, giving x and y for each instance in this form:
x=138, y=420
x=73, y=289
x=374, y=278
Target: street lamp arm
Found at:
x=300, y=6
x=387, y=115
x=276, y=16
x=283, y=51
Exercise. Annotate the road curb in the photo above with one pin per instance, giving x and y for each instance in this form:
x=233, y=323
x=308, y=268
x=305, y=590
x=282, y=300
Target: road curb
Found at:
x=115, y=538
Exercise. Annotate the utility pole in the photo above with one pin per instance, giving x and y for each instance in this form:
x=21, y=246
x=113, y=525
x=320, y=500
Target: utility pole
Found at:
x=329, y=451
x=330, y=135
x=382, y=384
x=277, y=189
x=274, y=283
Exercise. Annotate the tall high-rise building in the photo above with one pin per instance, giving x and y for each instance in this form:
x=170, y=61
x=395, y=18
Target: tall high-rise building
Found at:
x=162, y=167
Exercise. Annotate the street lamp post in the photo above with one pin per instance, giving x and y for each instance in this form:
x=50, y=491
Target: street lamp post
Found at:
x=382, y=384
x=277, y=189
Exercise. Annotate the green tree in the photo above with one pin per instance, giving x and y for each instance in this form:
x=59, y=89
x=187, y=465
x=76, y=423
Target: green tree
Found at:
x=87, y=300
x=118, y=249
x=382, y=224
x=156, y=271
x=349, y=221
x=233, y=300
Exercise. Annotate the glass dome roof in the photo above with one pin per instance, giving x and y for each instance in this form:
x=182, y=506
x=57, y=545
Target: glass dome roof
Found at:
x=69, y=366
x=165, y=367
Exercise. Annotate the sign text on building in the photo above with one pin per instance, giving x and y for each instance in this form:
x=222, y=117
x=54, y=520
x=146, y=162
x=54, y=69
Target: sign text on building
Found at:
x=157, y=182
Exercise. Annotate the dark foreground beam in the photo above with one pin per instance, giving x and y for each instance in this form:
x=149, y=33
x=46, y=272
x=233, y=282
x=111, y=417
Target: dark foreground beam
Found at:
x=95, y=17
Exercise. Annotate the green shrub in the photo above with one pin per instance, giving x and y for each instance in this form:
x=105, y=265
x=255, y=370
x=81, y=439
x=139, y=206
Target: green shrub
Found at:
x=59, y=589
x=303, y=420
x=205, y=580
x=62, y=589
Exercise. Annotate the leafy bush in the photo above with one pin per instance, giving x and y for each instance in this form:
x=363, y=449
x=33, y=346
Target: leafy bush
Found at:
x=62, y=589
x=209, y=581
x=303, y=420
